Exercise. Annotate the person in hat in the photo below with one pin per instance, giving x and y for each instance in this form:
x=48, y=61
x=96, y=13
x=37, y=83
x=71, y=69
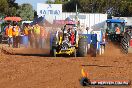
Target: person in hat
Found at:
x=37, y=34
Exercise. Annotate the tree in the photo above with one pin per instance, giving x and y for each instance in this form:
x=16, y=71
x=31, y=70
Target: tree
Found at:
x=111, y=7
x=12, y=9
x=49, y=2
x=70, y=6
x=26, y=12
x=3, y=7
x=12, y=3
x=58, y=2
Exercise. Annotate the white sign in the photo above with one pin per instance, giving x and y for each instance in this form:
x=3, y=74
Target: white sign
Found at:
x=49, y=9
x=79, y=16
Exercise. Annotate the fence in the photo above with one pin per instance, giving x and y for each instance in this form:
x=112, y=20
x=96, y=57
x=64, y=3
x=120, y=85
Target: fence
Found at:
x=94, y=21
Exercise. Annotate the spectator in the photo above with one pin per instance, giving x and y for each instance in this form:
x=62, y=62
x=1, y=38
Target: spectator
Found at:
x=31, y=36
x=25, y=31
x=87, y=29
x=37, y=35
x=43, y=36
x=8, y=32
x=15, y=33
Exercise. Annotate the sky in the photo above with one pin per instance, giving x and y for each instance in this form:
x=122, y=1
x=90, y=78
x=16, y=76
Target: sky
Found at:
x=32, y=2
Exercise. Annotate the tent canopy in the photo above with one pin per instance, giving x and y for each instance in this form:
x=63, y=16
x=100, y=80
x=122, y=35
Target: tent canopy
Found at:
x=115, y=21
x=38, y=20
x=68, y=19
x=13, y=19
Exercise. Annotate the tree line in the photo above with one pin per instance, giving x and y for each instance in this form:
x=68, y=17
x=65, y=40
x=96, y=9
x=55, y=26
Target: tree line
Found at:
x=111, y=7
x=11, y=8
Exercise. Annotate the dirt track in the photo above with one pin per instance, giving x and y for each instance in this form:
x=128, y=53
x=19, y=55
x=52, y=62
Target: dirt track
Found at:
x=40, y=71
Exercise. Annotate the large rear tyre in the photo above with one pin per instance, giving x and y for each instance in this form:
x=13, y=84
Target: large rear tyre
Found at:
x=82, y=47
x=53, y=47
x=0, y=39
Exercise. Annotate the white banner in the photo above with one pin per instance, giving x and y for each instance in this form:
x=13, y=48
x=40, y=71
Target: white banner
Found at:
x=48, y=9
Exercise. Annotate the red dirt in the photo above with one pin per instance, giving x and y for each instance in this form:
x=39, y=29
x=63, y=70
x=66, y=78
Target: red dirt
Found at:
x=28, y=71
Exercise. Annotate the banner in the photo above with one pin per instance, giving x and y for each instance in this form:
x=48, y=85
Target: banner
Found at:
x=49, y=9
x=63, y=22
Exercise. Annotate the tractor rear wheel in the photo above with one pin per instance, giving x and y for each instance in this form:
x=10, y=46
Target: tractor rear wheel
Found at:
x=53, y=47
x=82, y=47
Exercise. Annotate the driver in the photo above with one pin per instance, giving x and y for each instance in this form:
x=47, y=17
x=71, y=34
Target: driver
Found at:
x=117, y=29
x=69, y=31
x=71, y=35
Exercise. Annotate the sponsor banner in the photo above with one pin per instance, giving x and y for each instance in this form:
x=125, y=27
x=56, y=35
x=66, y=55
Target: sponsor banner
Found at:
x=110, y=82
x=49, y=9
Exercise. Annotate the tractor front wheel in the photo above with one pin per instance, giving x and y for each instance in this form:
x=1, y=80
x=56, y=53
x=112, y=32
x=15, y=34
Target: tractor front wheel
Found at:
x=53, y=47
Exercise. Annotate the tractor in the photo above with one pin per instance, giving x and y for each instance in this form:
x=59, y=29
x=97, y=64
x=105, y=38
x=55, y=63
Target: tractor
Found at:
x=111, y=29
x=125, y=36
x=67, y=41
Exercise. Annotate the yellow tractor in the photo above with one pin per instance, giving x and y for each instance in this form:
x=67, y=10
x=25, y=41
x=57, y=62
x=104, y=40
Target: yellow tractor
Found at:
x=69, y=42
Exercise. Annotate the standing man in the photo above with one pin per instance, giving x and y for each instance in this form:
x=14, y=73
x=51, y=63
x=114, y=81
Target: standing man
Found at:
x=16, y=31
x=8, y=32
x=31, y=36
x=43, y=36
x=37, y=35
x=10, y=36
x=26, y=35
x=26, y=29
